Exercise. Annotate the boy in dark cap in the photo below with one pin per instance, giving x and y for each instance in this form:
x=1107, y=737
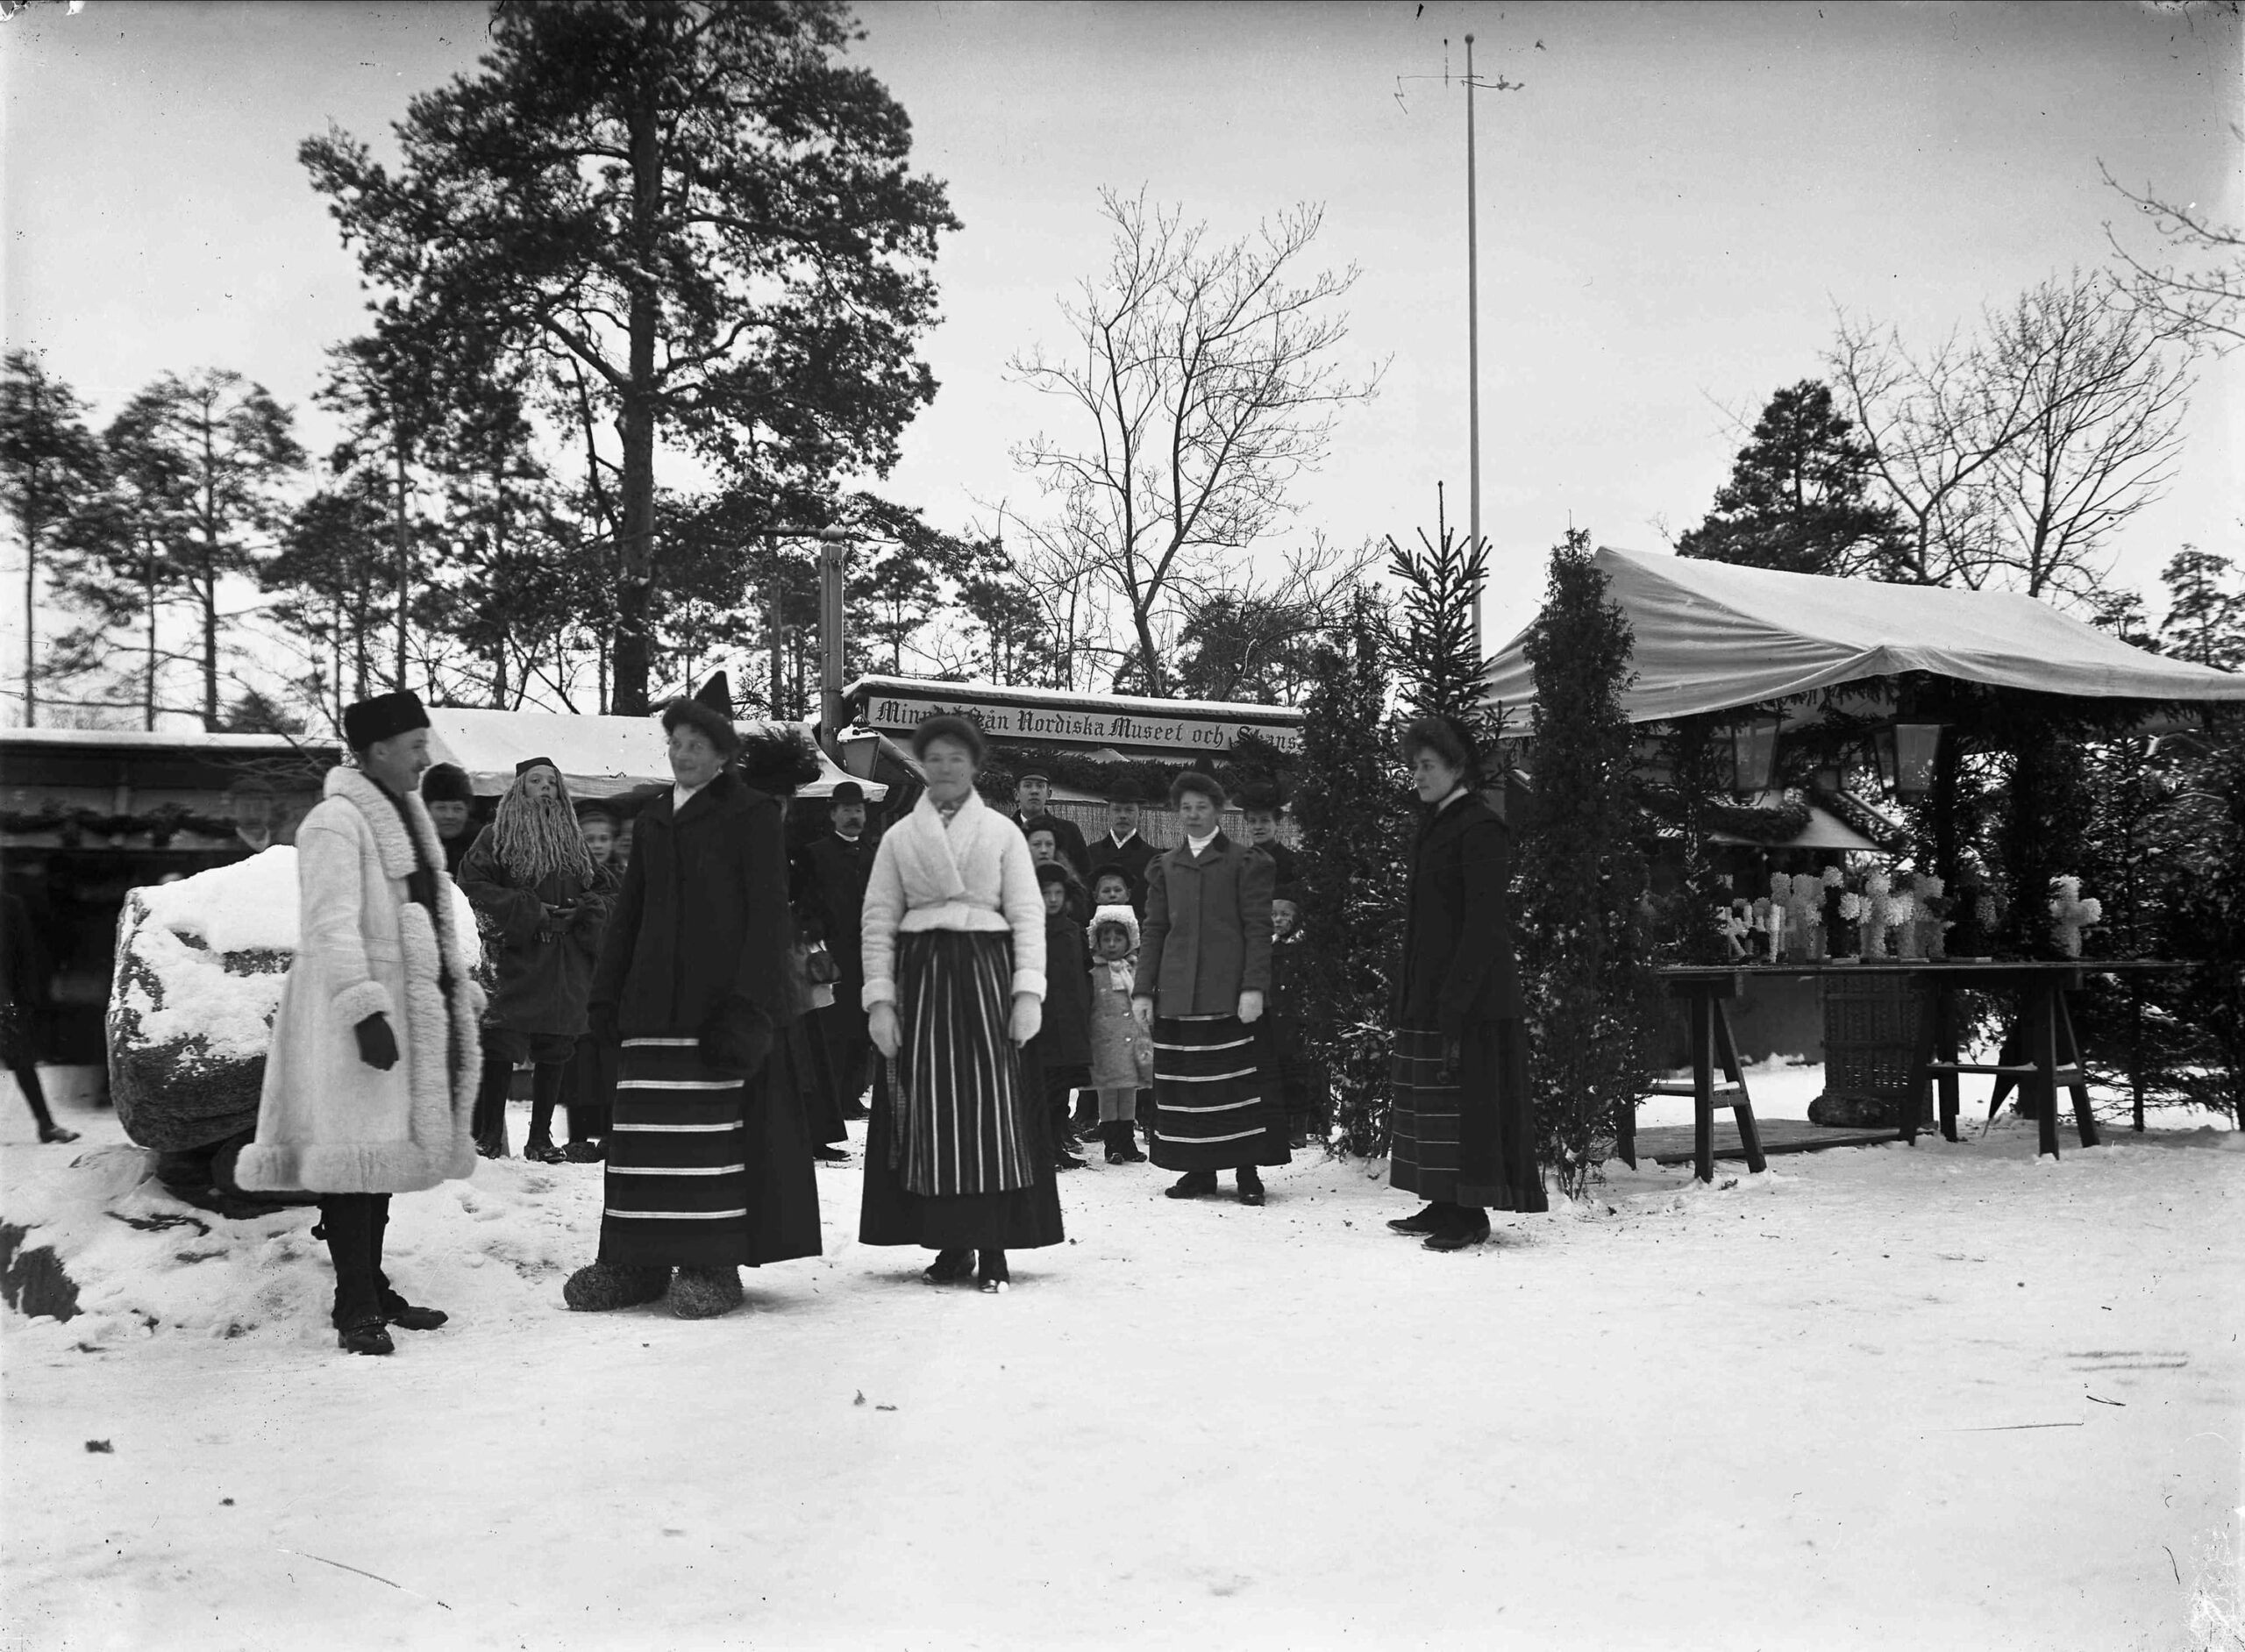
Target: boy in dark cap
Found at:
x=1121, y=846
x=450, y=796
x=1033, y=810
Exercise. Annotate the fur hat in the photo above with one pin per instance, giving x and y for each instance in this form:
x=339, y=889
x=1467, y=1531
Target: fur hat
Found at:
x=383, y=717
x=447, y=783
x=1053, y=872
x=1122, y=917
x=1289, y=893
x=780, y=758
x=710, y=710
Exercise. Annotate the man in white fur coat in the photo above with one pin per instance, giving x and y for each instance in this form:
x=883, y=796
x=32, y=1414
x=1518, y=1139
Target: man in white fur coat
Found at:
x=372, y=1075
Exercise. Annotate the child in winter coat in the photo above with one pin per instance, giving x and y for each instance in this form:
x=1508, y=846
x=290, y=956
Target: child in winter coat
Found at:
x=1059, y=1056
x=1122, y=1054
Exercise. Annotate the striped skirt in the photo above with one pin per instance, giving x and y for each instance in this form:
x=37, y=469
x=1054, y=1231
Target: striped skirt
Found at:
x=679, y=1190
x=1212, y=1109
x=1467, y=1136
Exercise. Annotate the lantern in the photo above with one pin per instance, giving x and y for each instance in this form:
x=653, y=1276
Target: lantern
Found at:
x=1905, y=754
x=1753, y=754
x=861, y=752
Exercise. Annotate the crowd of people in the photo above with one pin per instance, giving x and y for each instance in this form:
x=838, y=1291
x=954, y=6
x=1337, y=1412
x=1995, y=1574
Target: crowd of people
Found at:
x=709, y=1007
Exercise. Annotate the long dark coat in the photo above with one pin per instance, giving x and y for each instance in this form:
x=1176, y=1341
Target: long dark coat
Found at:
x=541, y=986
x=1208, y=932
x=1064, y=1036
x=700, y=930
x=1458, y=976
x=1457, y=963
x=831, y=903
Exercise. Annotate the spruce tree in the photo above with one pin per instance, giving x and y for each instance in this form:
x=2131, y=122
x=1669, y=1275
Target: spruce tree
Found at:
x=1585, y=961
x=1349, y=802
x=1439, y=665
x=1796, y=498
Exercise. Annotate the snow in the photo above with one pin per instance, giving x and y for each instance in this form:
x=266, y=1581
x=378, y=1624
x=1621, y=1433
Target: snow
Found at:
x=246, y=906
x=1942, y=1395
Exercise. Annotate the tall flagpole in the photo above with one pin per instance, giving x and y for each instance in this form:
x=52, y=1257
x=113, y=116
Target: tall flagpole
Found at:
x=1472, y=346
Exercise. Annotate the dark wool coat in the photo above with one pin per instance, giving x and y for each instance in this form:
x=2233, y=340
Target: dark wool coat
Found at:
x=1285, y=860
x=1064, y=1037
x=698, y=940
x=830, y=902
x=541, y=986
x=1133, y=857
x=1208, y=934
x=1457, y=963
x=1067, y=835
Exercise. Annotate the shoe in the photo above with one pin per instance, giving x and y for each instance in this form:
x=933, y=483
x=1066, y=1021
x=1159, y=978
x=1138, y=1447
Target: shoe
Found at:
x=1420, y=1222
x=364, y=1337
x=541, y=1150
x=599, y=1287
x=1191, y=1185
x=1297, y=1139
x=831, y=1155
x=55, y=1134
x=1250, y=1185
x=486, y=1148
x=1462, y=1232
x=705, y=1293
x=992, y=1275
x=949, y=1267
x=1063, y=1160
x=584, y=1153
x=397, y=1311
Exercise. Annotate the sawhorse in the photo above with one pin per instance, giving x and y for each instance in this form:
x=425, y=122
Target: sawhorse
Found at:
x=1706, y=992
x=2041, y=1056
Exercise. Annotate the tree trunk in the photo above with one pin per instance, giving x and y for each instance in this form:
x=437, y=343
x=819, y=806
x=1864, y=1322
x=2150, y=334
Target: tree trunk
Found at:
x=148, y=596
x=402, y=541
x=31, y=616
x=636, y=423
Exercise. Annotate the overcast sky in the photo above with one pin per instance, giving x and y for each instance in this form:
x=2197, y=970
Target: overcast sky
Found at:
x=1672, y=207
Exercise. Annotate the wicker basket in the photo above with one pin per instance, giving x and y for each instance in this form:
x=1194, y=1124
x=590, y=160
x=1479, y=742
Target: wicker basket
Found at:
x=1871, y=1036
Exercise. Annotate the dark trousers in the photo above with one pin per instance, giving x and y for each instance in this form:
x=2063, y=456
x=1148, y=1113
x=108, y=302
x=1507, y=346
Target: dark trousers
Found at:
x=546, y=1080
x=26, y=1076
x=489, y=1125
x=354, y=1224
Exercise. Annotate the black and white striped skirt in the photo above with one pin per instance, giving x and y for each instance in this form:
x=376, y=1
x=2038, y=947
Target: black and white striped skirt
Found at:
x=678, y=1192
x=1212, y=1109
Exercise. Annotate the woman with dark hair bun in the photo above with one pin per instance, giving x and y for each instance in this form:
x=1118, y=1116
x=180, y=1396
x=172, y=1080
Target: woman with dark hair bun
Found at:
x=959, y=1156
x=1463, y=1130
x=1204, y=967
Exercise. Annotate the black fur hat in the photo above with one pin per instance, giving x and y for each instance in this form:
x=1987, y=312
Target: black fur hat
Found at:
x=710, y=710
x=780, y=758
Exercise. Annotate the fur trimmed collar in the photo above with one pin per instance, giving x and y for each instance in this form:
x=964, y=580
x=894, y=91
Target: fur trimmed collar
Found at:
x=387, y=824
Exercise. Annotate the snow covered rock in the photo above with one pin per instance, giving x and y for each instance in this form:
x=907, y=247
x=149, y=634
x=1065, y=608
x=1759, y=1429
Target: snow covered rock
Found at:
x=198, y=972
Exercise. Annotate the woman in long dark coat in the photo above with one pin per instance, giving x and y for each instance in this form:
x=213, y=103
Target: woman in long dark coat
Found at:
x=959, y=1155
x=707, y=1168
x=1464, y=1128
x=1204, y=971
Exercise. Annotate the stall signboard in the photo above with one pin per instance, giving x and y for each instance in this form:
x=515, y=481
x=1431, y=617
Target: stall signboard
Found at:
x=1124, y=725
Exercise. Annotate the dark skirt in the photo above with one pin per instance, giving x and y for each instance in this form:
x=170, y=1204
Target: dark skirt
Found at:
x=958, y=1153
x=702, y=1171
x=1468, y=1137
x=801, y=1052
x=1214, y=1108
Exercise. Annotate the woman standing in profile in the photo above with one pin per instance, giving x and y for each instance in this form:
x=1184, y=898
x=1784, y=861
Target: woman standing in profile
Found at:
x=1465, y=1137
x=959, y=1156
x=1204, y=969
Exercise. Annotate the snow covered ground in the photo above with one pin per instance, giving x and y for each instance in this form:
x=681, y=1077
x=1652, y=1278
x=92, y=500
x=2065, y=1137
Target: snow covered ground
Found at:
x=1935, y=1396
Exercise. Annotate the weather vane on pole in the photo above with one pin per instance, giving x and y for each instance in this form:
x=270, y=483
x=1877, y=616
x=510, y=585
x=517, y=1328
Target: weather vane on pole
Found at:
x=1473, y=323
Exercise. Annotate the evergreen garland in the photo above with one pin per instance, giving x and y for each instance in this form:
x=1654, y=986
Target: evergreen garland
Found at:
x=1585, y=961
x=1349, y=802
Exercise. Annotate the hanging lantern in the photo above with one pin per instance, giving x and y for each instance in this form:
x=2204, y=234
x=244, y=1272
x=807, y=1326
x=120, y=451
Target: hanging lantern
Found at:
x=861, y=752
x=1905, y=754
x=1754, y=754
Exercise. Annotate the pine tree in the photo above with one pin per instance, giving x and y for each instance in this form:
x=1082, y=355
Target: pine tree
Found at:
x=1796, y=498
x=50, y=466
x=1439, y=665
x=1586, y=962
x=1349, y=801
x=2205, y=619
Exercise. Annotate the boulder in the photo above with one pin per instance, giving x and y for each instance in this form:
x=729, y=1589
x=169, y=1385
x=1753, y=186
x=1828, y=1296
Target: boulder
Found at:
x=198, y=972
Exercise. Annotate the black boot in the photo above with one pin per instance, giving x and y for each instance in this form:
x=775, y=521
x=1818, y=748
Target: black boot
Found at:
x=992, y=1275
x=1126, y=1132
x=949, y=1266
x=1191, y=1185
x=1467, y=1226
x=1250, y=1185
x=1426, y=1220
x=1118, y=1145
x=397, y=1311
x=544, y=1095
x=364, y=1337
x=488, y=1122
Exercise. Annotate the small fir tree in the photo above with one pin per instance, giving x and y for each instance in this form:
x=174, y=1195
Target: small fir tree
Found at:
x=1586, y=964
x=1439, y=665
x=1349, y=803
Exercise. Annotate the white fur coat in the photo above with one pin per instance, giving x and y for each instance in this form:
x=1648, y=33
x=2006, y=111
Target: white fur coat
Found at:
x=328, y=1122
x=973, y=874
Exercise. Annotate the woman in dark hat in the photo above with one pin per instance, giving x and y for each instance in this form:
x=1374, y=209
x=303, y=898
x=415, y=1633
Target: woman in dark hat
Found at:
x=1204, y=968
x=1260, y=809
x=707, y=1168
x=958, y=1157
x=1464, y=1134
x=543, y=905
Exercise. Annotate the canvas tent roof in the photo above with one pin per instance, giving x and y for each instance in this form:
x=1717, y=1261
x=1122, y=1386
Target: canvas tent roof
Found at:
x=1710, y=636
x=599, y=757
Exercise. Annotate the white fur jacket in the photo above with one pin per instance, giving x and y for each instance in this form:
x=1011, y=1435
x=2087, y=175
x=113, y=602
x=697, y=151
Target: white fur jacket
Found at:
x=973, y=874
x=328, y=1122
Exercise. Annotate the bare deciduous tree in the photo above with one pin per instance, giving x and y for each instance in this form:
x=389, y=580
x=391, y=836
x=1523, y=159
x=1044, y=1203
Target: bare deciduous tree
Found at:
x=2197, y=289
x=1204, y=383
x=2011, y=457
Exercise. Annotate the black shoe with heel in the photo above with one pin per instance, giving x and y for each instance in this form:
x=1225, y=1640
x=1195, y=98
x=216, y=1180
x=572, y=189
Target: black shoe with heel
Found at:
x=365, y=1335
x=1420, y=1222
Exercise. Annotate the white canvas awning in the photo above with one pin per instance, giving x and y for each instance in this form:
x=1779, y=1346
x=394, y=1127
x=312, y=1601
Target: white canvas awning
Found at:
x=599, y=757
x=1710, y=636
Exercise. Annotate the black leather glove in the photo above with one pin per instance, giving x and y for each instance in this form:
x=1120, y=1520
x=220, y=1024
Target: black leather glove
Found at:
x=377, y=1043
x=736, y=1039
